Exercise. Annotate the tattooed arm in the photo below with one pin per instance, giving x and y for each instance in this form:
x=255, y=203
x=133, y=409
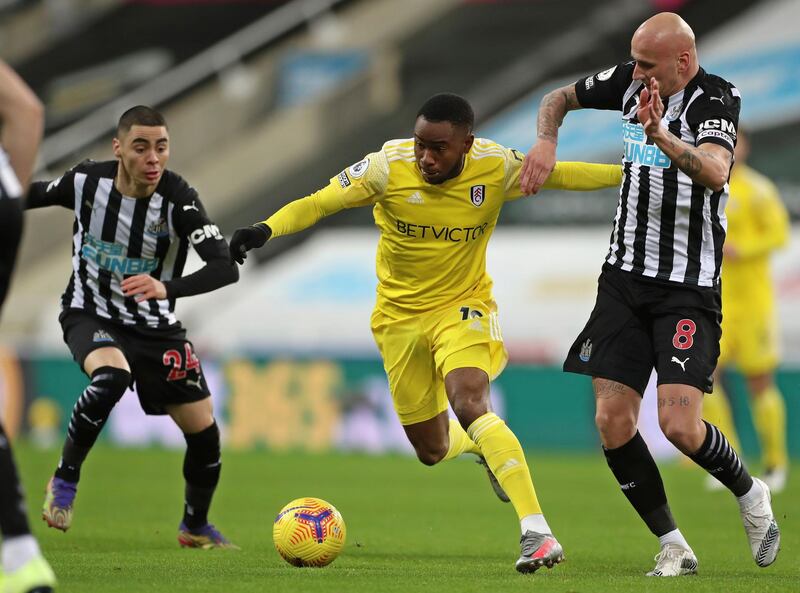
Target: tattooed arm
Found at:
x=541, y=158
x=708, y=165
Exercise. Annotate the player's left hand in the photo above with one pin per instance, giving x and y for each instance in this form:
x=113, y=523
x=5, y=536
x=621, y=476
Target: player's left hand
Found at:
x=247, y=238
x=537, y=166
x=650, y=109
x=144, y=287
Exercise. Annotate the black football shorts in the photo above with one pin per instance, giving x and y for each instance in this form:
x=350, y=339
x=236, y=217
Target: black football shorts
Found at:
x=639, y=323
x=163, y=363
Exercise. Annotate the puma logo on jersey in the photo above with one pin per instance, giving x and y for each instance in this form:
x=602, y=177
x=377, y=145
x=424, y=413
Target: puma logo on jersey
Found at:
x=682, y=363
x=191, y=206
x=193, y=383
x=415, y=198
x=717, y=99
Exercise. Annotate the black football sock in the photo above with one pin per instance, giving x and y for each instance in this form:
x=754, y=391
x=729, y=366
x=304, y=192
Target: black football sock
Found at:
x=640, y=481
x=718, y=458
x=89, y=415
x=201, y=469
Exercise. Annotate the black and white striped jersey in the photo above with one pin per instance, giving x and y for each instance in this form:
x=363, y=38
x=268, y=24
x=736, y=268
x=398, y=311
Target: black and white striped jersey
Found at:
x=116, y=236
x=10, y=222
x=667, y=226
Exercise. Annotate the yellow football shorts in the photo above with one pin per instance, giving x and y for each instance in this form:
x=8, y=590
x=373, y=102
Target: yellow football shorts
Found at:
x=419, y=351
x=749, y=337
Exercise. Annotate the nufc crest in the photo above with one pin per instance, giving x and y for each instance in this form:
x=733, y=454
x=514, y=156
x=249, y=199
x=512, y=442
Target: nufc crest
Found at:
x=477, y=193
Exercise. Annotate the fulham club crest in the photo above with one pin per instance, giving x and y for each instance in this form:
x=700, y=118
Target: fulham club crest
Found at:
x=477, y=193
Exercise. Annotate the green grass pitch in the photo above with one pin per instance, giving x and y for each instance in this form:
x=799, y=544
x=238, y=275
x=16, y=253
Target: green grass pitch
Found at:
x=409, y=527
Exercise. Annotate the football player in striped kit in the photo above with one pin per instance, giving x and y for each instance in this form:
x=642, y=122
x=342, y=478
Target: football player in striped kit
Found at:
x=24, y=568
x=658, y=301
x=134, y=223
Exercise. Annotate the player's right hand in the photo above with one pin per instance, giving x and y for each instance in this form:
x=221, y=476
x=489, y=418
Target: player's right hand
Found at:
x=537, y=166
x=247, y=238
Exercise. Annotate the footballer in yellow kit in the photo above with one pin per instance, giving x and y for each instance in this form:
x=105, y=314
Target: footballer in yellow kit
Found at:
x=436, y=199
x=434, y=295
x=758, y=225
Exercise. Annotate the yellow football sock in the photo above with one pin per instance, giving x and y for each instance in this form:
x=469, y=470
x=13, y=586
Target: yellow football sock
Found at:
x=459, y=442
x=769, y=415
x=504, y=455
x=717, y=411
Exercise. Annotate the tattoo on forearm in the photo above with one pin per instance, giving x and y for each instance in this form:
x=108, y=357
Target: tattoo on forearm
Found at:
x=689, y=163
x=552, y=110
x=549, y=119
x=725, y=162
x=571, y=98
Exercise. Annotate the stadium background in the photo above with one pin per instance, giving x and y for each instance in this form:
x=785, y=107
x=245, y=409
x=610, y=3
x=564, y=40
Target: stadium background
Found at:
x=266, y=100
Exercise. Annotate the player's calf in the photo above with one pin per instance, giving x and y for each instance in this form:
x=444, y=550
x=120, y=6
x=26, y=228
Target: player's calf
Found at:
x=202, y=466
x=89, y=415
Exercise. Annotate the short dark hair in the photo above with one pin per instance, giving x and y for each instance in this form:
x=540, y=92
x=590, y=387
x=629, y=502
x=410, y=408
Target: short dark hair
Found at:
x=448, y=107
x=141, y=115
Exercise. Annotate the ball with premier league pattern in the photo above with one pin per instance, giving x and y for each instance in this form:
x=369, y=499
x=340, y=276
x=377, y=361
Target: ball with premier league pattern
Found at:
x=309, y=532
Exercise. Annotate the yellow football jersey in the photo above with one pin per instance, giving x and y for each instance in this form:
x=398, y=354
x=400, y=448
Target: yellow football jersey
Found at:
x=758, y=224
x=433, y=238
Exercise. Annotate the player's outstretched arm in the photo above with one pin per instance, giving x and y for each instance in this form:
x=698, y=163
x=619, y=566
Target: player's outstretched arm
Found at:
x=193, y=224
x=294, y=217
x=359, y=185
x=541, y=158
x=577, y=176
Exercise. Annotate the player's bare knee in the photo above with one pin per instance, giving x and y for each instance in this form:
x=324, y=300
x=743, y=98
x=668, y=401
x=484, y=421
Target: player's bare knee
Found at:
x=469, y=400
x=615, y=429
x=684, y=433
x=468, y=392
x=431, y=454
x=468, y=408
